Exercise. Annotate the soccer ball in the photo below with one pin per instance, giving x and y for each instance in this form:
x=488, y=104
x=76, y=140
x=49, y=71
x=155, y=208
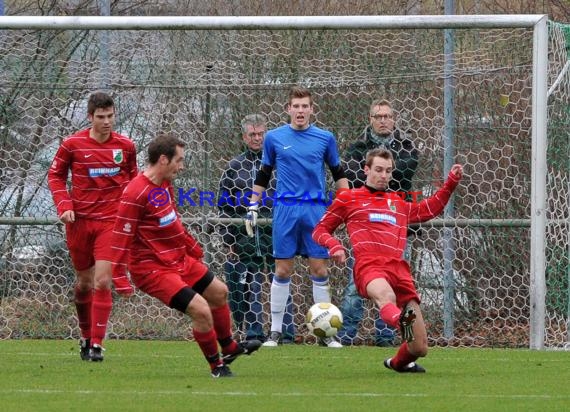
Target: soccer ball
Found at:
x=324, y=320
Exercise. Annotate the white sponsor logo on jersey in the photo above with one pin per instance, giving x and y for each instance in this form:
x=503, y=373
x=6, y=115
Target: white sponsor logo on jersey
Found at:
x=167, y=219
x=104, y=171
x=382, y=217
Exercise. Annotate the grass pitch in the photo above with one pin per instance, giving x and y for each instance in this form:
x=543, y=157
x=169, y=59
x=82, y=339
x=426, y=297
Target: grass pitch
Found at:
x=173, y=376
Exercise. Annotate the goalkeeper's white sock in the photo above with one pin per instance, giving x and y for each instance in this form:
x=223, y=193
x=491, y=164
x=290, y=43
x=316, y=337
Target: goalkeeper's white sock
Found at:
x=279, y=295
x=321, y=289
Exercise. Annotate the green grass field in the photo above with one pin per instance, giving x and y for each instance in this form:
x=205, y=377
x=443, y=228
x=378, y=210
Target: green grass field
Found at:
x=171, y=376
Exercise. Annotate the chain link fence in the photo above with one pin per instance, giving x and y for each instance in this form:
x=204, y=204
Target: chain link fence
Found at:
x=199, y=84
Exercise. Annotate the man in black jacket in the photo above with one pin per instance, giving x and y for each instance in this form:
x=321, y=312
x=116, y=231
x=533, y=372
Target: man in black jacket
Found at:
x=380, y=132
x=249, y=258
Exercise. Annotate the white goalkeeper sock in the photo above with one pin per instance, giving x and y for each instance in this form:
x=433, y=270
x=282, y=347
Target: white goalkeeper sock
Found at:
x=279, y=295
x=321, y=289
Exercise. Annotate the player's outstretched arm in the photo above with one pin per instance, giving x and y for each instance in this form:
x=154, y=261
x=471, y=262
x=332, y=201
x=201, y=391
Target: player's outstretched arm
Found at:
x=433, y=206
x=457, y=170
x=323, y=232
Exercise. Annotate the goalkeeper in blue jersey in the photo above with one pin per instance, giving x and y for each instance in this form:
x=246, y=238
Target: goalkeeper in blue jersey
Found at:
x=298, y=152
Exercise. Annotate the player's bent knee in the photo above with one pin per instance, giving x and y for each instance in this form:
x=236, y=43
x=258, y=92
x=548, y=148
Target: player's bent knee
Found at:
x=84, y=287
x=199, y=310
x=200, y=313
x=284, y=268
x=283, y=274
x=219, y=298
x=223, y=290
x=104, y=284
x=85, y=280
x=217, y=293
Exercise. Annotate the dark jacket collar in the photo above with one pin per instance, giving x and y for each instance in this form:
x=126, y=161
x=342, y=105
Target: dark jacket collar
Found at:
x=374, y=140
x=251, y=155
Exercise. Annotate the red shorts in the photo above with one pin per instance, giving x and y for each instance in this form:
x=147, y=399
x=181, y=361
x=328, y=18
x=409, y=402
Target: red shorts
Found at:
x=165, y=282
x=89, y=240
x=396, y=272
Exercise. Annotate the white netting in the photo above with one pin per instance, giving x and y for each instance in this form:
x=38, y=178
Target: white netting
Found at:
x=200, y=84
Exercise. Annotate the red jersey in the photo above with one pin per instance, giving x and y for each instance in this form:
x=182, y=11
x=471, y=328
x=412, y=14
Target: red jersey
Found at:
x=148, y=233
x=99, y=173
x=377, y=222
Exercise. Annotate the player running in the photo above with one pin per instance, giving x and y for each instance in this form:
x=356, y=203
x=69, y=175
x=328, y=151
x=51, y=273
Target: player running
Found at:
x=377, y=224
x=165, y=261
x=101, y=162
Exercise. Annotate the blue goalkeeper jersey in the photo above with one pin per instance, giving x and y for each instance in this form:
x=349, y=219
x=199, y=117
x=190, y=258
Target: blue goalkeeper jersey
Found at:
x=299, y=158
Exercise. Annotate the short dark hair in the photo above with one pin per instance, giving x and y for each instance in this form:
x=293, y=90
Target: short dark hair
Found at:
x=163, y=144
x=379, y=152
x=298, y=92
x=99, y=100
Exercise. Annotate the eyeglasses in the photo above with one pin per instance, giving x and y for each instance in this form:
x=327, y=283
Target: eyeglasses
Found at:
x=382, y=116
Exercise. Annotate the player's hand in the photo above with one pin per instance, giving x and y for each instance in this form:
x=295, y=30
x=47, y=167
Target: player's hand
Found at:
x=122, y=285
x=193, y=248
x=251, y=220
x=67, y=217
x=457, y=170
x=338, y=256
x=123, y=288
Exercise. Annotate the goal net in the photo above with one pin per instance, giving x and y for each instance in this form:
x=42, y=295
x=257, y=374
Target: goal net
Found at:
x=473, y=268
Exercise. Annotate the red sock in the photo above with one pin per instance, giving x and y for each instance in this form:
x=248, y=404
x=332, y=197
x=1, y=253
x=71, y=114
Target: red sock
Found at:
x=390, y=314
x=83, y=302
x=101, y=310
x=223, y=327
x=403, y=357
x=209, y=346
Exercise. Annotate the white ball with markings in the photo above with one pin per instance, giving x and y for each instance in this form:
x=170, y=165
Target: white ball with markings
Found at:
x=324, y=320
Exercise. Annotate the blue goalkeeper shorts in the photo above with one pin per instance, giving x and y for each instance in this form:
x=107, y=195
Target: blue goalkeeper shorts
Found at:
x=293, y=226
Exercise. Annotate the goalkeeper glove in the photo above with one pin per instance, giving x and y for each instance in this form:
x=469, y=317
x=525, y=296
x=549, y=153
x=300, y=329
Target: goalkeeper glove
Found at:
x=251, y=220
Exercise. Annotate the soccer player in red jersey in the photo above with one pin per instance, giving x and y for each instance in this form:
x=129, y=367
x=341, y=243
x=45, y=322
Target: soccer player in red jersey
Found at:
x=377, y=222
x=101, y=162
x=165, y=261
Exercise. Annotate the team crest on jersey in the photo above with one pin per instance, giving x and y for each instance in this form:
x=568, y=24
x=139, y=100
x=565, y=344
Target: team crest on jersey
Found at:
x=391, y=205
x=118, y=156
